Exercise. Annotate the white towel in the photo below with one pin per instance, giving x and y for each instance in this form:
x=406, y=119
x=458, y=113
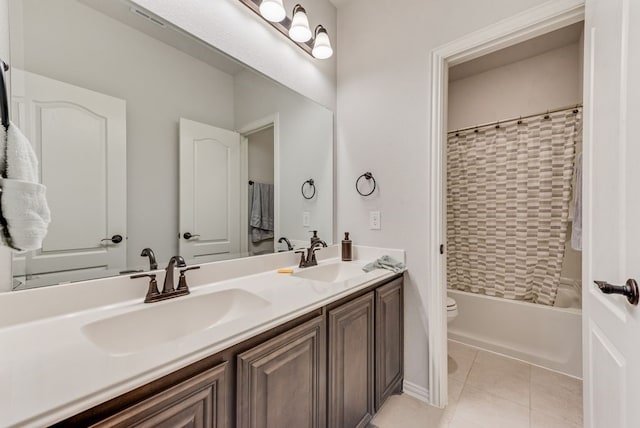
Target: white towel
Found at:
x=576, y=229
x=23, y=202
x=21, y=160
x=25, y=210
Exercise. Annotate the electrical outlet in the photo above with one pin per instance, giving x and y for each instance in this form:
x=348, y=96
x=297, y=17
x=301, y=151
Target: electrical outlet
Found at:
x=374, y=220
x=306, y=219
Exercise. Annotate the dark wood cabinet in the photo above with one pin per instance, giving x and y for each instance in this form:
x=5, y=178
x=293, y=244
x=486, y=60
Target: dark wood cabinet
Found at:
x=389, y=340
x=351, y=363
x=199, y=402
x=332, y=367
x=282, y=382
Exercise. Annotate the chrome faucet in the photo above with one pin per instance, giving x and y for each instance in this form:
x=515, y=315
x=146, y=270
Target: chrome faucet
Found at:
x=168, y=289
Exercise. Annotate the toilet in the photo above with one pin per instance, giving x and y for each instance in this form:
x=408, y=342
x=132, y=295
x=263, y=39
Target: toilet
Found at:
x=452, y=310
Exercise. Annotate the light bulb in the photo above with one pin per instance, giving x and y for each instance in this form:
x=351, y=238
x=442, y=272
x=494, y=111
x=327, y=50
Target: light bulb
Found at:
x=299, y=31
x=322, y=45
x=272, y=10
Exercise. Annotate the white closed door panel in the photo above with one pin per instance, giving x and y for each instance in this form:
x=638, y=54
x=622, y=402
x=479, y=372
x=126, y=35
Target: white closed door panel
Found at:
x=209, y=192
x=79, y=136
x=611, y=241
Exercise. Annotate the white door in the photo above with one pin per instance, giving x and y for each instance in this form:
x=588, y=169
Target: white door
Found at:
x=209, y=192
x=80, y=139
x=611, y=325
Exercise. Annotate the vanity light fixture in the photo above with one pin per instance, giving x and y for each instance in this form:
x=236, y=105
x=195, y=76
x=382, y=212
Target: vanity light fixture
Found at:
x=297, y=28
x=300, y=31
x=272, y=10
x=322, y=45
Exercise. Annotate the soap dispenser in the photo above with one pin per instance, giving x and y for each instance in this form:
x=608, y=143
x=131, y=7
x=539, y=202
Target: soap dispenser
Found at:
x=347, y=253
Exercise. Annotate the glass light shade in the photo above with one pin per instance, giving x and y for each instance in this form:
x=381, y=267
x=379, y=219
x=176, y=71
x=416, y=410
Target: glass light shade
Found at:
x=300, y=31
x=322, y=46
x=272, y=10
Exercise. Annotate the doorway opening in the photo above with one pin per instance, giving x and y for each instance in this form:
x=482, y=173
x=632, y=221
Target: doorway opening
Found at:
x=475, y=56
x=260, y=212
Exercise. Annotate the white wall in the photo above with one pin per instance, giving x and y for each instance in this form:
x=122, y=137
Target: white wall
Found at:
x=530, y=86
x=305, y=151
x=383, y=127
x=233, y=28
x=159, y=83
x=5, y=254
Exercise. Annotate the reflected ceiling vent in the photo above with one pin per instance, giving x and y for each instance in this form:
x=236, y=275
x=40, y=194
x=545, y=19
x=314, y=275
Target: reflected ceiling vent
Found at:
x=147, y=16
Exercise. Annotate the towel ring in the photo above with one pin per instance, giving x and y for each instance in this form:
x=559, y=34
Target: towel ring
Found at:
x=312, y=185
x=368, y=176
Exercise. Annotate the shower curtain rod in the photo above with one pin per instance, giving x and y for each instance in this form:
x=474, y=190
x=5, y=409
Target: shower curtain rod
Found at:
x=498, y=122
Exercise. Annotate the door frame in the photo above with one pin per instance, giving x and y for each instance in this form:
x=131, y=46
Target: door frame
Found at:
x=531, y=23
x=244, y=131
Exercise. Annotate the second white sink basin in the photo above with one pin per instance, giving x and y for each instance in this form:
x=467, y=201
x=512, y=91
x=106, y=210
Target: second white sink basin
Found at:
x=333, y=273
x=158, y=323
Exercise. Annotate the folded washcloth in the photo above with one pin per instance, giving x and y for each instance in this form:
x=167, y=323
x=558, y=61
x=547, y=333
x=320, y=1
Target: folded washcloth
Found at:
x=385, y=262
x=25, y=211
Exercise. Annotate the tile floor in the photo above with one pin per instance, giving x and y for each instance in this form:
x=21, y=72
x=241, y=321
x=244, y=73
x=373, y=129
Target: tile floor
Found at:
x=487, y=390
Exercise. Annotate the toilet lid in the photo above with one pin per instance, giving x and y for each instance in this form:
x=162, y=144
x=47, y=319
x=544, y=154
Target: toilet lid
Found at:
x=451, y=304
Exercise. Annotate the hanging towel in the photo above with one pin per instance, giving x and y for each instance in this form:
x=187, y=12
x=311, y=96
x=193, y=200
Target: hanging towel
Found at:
x=576, y=229
x=23, y=204
x=385, y=262
x=261, y=211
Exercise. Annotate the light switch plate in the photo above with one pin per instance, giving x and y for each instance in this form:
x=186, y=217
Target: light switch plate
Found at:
x=306, y=219
x=374, y=220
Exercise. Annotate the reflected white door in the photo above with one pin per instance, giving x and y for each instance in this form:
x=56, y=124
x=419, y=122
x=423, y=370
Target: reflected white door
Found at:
x=209, y=192
x=80, y=139
x=611, y=326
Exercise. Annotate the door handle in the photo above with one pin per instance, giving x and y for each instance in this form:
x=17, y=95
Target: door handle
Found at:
x=188, y=235
x=116, y=239
x=630, y=290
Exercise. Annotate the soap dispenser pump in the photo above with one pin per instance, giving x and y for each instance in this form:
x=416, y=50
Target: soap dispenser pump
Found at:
x=347, y=253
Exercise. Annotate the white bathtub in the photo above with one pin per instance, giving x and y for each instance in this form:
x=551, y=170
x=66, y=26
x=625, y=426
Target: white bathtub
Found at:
x=547, y=336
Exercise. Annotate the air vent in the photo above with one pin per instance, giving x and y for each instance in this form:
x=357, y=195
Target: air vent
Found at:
x=147, y=16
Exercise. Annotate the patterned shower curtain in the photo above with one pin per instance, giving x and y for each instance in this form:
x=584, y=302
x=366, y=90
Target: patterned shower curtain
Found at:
x=508, y=193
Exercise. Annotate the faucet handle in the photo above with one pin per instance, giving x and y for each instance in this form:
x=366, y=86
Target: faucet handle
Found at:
x=302, y=260
x=152, y=292
x=182, y=281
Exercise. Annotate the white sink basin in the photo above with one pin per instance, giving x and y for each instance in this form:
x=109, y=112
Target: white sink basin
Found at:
x=333, y=273
x=159, y=323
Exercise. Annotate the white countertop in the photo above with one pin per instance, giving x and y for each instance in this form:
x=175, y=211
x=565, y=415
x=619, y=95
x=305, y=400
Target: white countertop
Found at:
x=49, y=369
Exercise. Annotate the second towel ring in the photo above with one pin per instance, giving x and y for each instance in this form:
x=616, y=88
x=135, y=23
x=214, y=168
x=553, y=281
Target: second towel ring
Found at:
x=312, y=185
x=368, y=176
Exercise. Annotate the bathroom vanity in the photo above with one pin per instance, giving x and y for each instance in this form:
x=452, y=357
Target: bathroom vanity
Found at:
x=322, y=347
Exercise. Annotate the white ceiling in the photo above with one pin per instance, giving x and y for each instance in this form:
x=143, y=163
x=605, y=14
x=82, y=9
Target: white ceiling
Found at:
x=556, y=39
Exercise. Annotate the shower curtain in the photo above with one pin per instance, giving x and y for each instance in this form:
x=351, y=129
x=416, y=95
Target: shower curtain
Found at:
x=508, y=193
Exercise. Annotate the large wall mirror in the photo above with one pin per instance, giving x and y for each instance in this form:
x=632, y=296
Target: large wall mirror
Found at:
x=150, y=138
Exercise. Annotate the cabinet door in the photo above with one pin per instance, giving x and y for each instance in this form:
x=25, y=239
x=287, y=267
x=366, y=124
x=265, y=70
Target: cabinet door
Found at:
x=389, y=340
x=351, y=352
x=194, y=403
x=282, y=382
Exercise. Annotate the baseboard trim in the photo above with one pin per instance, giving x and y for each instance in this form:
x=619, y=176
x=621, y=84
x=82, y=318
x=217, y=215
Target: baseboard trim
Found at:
x=416, y=391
